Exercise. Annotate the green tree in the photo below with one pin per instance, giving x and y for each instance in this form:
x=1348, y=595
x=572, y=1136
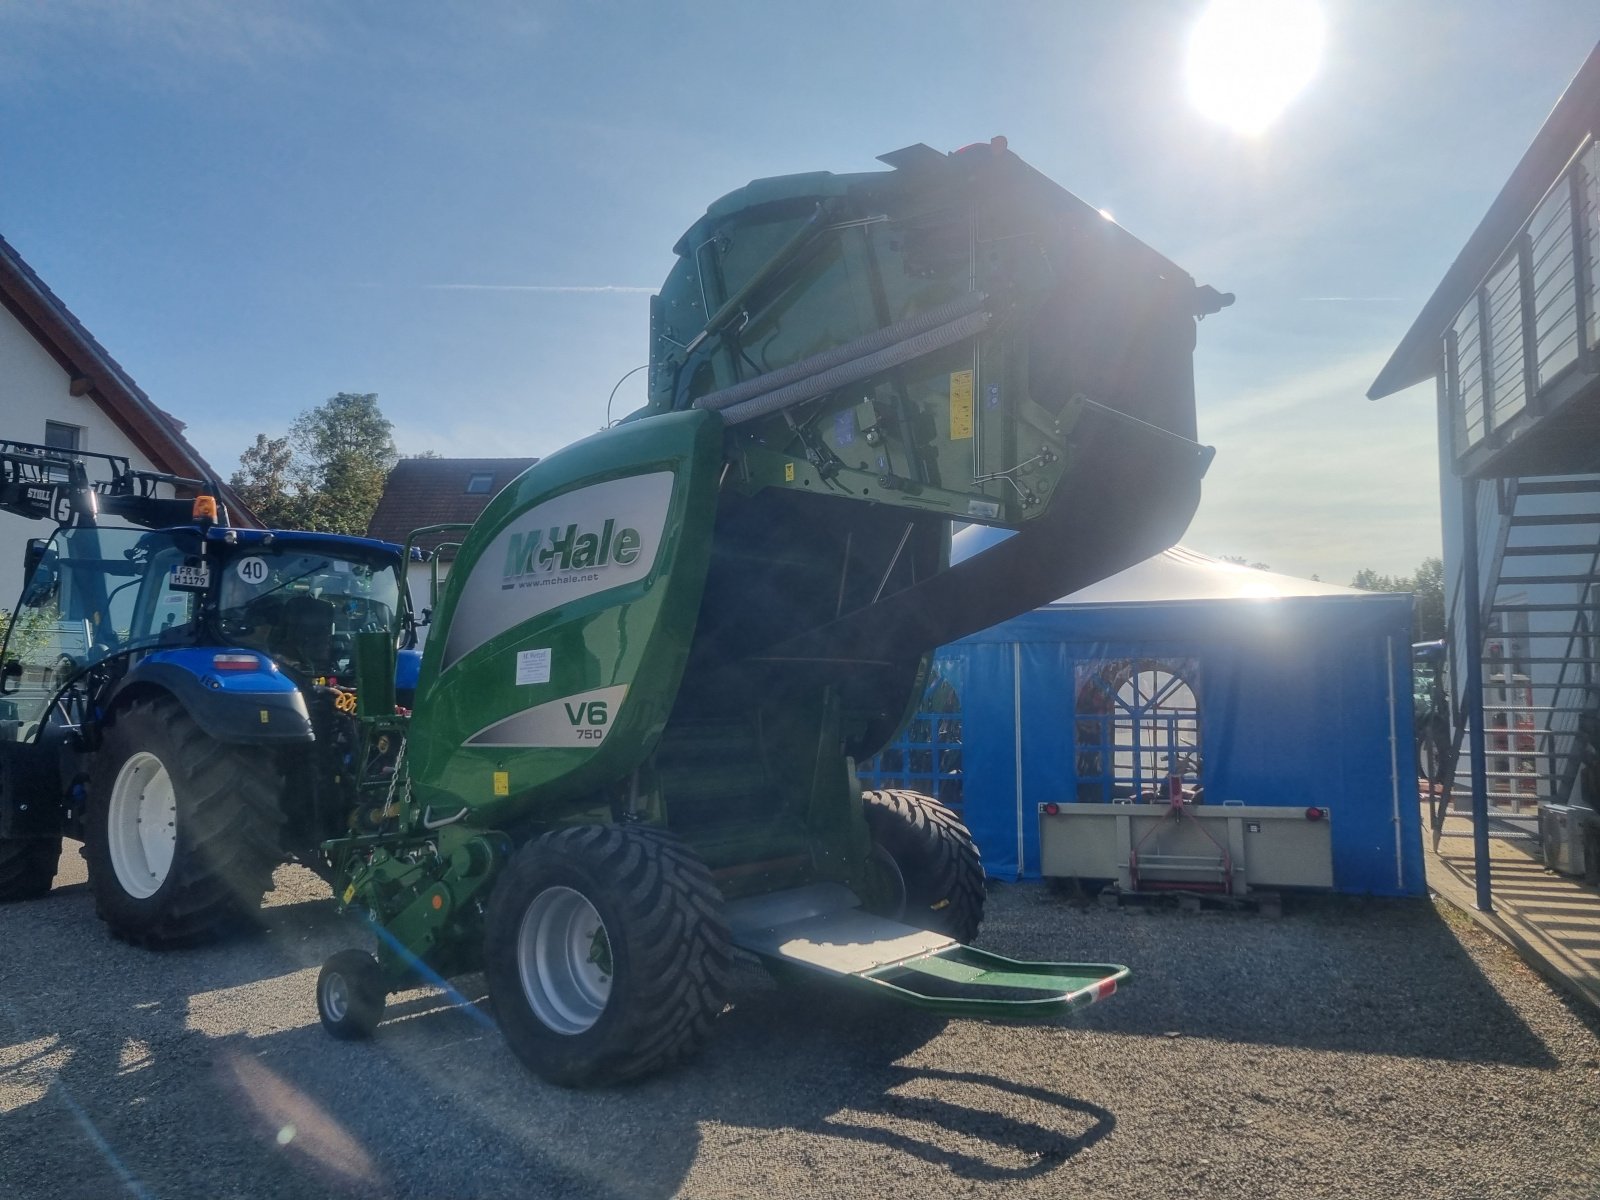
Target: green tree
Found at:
x=266, y=480
x=1427, y=589
x=347, y=446
x=327, y=473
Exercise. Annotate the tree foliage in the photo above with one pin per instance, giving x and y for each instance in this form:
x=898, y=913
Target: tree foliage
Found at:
x=327, y=473
x=1427, y=588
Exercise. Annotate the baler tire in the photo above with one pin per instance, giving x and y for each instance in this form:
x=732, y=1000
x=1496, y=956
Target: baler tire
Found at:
x=661, y=936
x=226, y=821
x=943, y=874
x=351, y=995
x=28, y=867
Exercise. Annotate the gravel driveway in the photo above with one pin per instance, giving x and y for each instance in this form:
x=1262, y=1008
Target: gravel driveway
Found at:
x=1350, y=1049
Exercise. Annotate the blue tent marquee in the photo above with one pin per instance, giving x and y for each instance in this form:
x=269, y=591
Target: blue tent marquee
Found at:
x=1237, y=685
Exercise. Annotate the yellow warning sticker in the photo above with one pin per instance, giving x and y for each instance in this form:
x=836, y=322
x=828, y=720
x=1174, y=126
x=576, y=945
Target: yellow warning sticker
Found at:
x=350, y=893
x=788, y=472
x=960, y=405
x=502, y=783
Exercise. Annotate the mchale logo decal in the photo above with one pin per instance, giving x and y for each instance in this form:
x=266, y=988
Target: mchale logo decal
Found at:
x=530, y=565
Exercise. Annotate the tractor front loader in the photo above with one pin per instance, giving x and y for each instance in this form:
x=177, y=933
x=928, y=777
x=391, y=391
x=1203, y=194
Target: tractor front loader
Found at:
x=662, y=650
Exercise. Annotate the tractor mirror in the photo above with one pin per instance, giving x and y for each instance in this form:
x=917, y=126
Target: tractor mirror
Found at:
x=9, y=674
x=33, y=555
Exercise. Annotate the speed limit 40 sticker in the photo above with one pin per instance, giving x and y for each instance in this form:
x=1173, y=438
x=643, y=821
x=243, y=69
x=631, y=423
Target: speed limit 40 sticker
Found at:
x=252, y=570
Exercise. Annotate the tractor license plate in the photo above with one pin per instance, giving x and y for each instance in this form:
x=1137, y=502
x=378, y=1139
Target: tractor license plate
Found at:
x=191, y=579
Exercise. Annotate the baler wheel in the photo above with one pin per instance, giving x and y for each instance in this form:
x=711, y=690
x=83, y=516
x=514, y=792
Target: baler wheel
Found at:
x=351, y=994
x=182, y=830
x=944, y=889
x=606, y=952
x=28, y=867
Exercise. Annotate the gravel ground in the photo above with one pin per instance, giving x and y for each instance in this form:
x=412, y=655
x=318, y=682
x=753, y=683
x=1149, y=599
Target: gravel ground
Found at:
x=1350, y=1049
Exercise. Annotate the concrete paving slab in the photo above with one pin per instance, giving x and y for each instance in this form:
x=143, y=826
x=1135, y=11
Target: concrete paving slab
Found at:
x=1553, y=921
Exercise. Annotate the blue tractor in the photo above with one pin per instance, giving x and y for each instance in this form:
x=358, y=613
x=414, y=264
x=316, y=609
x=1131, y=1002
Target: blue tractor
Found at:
x=180, y=695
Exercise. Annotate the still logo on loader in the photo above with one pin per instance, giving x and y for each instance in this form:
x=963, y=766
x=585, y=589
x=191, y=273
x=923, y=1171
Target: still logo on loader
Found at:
x=568, y=550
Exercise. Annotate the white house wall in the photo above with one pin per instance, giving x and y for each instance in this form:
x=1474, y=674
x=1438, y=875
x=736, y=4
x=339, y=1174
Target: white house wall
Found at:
x=35, y=389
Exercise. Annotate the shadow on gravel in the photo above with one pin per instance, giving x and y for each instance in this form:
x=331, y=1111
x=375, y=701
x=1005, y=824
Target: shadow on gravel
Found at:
x=204, y=1072
x=1357, y=974
x=1034, y=1148
x=829, y=1063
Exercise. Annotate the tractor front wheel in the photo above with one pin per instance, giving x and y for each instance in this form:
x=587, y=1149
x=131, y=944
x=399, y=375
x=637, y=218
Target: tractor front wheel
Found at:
x=606, y=952
x=28, y=866
x=182, y=830
x=938, y=864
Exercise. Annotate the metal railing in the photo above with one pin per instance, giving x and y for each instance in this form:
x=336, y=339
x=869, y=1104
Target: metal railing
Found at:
x=1537, y=314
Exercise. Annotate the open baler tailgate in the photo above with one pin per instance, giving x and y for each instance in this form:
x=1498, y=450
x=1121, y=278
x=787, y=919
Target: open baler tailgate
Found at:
x=958, y=339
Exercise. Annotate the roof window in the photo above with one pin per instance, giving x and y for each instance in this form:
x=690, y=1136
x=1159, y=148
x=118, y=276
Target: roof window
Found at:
x=480, y=483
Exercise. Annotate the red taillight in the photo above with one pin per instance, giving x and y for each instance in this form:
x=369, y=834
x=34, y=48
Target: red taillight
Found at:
x=235, y=662
x=1314, y=814
x=1052, y=809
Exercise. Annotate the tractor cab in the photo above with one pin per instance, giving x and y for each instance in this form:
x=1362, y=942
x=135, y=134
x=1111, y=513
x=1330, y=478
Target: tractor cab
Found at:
x=97, y=593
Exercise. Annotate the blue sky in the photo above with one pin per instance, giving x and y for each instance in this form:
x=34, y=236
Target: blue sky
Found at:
x=464, y=207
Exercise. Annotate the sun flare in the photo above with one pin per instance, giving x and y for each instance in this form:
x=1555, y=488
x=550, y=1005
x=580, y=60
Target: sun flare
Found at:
x=1248, y=59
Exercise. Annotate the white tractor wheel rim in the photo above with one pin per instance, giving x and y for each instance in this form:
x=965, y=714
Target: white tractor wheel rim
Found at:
x=142, y=825
x=564, y=960
x=336, y=998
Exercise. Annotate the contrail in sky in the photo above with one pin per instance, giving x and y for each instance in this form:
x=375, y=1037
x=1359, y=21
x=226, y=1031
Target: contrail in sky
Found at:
x=539, y=287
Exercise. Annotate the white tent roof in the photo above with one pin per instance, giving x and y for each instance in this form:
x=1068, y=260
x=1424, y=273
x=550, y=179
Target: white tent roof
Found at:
x=1176, y=574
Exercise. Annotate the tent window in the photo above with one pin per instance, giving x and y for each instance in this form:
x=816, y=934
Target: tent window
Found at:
x=927, y=756
x=1138, y=729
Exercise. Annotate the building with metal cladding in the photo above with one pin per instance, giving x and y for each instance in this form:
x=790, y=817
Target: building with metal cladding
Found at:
x=1511, y=338
x=1236, y=686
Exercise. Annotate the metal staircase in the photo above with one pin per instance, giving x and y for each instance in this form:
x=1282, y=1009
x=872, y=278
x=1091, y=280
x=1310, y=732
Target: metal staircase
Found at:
x=1540, y=651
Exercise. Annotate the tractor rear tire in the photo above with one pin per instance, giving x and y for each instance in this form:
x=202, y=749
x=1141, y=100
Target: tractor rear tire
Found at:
x=943, y=875
x=183, y=830
x=606, y=952
x=28, y=867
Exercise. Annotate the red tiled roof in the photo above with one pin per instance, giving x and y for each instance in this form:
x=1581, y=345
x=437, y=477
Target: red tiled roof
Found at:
x=94, y=373
x=433, y=491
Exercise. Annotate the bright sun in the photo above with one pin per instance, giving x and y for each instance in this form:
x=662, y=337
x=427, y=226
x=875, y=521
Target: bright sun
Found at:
x=1249, y=58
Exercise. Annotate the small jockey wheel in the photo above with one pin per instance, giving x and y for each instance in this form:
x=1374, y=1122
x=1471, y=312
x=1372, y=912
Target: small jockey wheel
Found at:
x=351, y=994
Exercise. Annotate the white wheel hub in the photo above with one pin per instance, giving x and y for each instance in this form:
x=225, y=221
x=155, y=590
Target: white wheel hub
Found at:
x=142, y=824
x=564, y=960
x=336, y=998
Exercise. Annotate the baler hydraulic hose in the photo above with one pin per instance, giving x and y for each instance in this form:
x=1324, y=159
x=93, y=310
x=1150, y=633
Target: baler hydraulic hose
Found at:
x=856, y=369
x=878, y=339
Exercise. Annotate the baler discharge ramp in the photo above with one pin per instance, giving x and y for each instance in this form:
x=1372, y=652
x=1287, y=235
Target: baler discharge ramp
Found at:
x=822, y=929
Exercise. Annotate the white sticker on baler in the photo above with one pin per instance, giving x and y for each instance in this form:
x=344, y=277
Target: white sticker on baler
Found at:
x=587, y=541
x=533, y=666
x=578, y=721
